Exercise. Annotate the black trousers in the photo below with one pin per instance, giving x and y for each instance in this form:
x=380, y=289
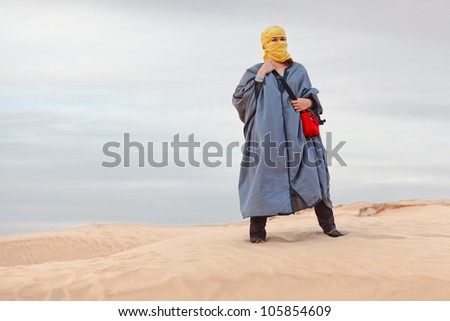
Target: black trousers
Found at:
x=324, y=215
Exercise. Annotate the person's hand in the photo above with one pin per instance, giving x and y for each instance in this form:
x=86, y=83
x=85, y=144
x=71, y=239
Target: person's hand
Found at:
x=266, y=68
x=301, y=104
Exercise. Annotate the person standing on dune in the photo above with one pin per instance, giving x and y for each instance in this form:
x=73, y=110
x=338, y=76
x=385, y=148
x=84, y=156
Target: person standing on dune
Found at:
x=282, y=171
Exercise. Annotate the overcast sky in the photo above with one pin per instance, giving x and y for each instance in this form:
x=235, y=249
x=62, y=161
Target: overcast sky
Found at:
x=77, y=74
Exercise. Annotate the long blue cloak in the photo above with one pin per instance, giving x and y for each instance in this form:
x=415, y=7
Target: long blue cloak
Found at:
x=281, y=171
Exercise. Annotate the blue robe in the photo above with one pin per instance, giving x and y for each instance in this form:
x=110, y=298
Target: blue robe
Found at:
x=281, y=171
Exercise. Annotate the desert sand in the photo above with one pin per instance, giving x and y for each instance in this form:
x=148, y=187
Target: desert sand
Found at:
x=395, y=251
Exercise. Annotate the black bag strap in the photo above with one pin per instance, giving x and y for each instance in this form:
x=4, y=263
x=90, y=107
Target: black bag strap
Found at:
x=285, y=85
x=293, y=97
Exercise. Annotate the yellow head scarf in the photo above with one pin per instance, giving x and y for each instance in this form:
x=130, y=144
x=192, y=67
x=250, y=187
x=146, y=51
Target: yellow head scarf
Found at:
x=275, y=50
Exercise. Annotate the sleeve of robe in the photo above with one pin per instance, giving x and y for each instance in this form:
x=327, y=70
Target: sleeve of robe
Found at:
x=244, y=97
x=311, y=93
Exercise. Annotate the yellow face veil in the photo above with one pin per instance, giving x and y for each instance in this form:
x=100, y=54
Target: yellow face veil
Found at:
x=276, y=50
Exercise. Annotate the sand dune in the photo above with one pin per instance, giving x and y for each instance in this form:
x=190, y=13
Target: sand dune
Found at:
x=394, y=251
